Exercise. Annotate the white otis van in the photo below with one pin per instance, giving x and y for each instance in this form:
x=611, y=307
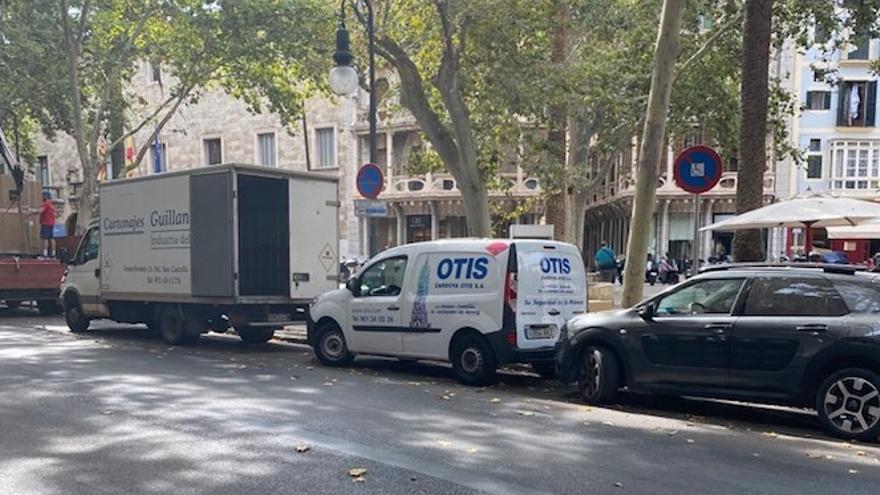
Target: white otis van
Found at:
x=474, y=303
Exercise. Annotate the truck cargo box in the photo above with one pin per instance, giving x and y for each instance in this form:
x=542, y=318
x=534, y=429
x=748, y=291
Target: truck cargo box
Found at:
x=224, y=234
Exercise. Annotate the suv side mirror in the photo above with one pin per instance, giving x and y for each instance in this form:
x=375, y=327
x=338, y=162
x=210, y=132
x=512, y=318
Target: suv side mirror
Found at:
x=353, y=286
x=647, y=312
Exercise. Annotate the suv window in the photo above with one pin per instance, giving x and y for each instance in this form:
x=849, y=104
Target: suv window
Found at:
x=860, y=296
x=714, y=296
x=782, y=296
x=385, y=278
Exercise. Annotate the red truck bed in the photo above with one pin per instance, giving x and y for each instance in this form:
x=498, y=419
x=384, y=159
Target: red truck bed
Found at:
x=30, y=279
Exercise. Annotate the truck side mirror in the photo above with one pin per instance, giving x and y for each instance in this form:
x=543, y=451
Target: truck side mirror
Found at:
x=64, y=256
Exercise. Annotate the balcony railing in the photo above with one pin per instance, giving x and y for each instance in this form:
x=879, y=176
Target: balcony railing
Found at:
x=399, y=186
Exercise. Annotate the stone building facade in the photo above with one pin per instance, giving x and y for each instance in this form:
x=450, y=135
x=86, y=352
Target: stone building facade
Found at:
x=333, y=139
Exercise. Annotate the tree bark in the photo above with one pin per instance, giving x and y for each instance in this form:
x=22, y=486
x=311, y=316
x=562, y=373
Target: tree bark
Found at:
x=665, y=53
x=456, y=149
x=748, y=244
x=558, y=205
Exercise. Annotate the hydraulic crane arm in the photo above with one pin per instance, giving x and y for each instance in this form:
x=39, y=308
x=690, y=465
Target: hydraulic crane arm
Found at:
x=11, y=162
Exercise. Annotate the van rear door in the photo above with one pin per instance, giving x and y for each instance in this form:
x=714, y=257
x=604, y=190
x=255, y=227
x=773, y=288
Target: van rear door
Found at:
x=551, y=288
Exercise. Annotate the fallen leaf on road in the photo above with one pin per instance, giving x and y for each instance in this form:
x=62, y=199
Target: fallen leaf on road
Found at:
x=294, y=378
x=618, y=484
x=328, y=384
x=672, y=433
x=607, y=423
x=445, y=397
x=546, y=408
x=310, y=367
x=690, y=440
x=586, y=423
x=359, y=479
x=415, y=384
x=495, y=400
x=526, y=413
x=443, y=443
x=813, y=455
x=771, y=434
x=357, y=472
x=472, y=450
x=756, y=454
x=413, y=478
x=828, y=457
x=861, y=453
x=853, y=471
x=302, y=448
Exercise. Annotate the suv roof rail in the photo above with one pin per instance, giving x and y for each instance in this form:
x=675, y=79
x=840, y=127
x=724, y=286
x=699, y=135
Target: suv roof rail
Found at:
x=825, y=267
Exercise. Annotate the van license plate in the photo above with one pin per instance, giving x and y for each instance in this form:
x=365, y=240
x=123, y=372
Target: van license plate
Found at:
x=542, y=332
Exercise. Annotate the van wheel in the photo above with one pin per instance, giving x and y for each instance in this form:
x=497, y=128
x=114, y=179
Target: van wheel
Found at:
x=545, y=369
x=473, y=361
x=330, y=346
x=599, y=377
x=76, y=320
x=848, y=403
x=49, y=307
x=173, y=328
x=255, y=335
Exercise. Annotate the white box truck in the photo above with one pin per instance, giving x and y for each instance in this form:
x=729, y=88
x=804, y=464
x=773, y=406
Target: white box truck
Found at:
x=186, y=252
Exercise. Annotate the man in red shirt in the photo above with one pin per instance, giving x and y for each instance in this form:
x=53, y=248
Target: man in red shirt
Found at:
x=47, y=223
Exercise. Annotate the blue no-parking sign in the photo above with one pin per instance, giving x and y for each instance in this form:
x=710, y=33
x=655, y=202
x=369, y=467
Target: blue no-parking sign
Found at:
x=370, y=181
x=697, y=169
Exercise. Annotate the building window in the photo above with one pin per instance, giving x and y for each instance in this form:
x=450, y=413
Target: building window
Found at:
x=857, y=103
x=266, y=149
x=814, y=159
x=694, y=137
x=213, y=149
x=856, y=164
x=43, y=171
x=818, y=100
x=325, y=146
x=819, y=75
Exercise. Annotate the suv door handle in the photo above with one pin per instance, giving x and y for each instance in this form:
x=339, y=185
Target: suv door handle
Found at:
x=393, y=308
x=718, y=327
x=98, y=272
x=553, y=312
x=817, y=327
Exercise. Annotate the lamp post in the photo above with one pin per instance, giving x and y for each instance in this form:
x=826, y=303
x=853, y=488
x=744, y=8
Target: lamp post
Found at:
x=343, y=77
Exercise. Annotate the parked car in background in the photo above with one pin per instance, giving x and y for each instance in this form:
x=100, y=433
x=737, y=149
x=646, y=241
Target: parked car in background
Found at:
x=802, y=335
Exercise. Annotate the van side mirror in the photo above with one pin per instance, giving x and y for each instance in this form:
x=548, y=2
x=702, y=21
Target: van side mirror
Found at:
x=647, y=312
x=353, y=286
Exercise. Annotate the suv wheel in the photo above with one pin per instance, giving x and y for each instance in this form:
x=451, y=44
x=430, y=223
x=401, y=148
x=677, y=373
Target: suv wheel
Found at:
x=473, y=361
x=598, y=379
x=330, y=346
x=848, y=403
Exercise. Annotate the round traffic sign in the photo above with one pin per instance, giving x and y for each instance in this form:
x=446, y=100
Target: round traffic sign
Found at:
x=697, y=169
x=370, y=180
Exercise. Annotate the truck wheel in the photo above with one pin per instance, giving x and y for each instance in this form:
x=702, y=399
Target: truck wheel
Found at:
x=598, y=379
x=545, y=369
x=49, y=307
x=848, y=403
x=473, y=361
x=77, y=321
x=12, y=303
x=255, y=335
x=330, y=346
x=173, y=328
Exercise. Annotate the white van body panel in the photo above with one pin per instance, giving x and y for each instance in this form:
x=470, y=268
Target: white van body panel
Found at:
x=459, y=284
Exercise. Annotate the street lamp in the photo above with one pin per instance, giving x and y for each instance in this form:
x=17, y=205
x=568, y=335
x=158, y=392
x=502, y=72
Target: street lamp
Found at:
x=343, y=77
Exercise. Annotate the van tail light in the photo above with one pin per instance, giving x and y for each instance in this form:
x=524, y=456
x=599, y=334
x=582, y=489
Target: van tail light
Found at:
x=510, y=292
x=510, y=336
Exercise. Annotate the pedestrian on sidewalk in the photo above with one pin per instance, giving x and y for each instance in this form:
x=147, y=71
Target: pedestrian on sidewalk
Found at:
x=47, y=223
x=606, y=263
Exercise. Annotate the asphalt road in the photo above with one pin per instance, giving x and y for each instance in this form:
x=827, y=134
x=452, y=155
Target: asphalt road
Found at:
x=115, y=410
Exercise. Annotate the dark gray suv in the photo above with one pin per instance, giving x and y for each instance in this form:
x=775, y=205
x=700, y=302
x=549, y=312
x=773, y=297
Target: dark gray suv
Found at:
x=803, y=335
